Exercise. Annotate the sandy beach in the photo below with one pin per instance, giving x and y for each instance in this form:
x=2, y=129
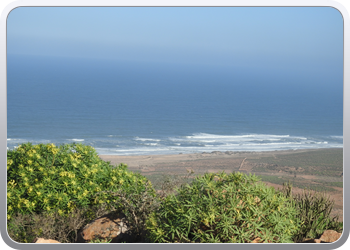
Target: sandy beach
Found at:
x=315, y=168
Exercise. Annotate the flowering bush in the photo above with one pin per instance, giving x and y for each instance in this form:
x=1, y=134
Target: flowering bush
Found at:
x=48, y=178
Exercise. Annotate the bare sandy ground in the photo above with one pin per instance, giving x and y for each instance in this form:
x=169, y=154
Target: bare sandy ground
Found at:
x=234, y=160
x=212, y=162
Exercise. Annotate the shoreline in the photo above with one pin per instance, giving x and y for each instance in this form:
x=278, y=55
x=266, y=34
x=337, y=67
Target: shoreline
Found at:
x=134, y=160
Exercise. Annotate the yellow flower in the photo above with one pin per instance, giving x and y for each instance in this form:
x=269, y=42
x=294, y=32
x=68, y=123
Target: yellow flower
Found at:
x=9, y=162
x=8, y=194
x=12, y=183
x=38, y=156
x=205, y=222
x=9, y=208
x=38, y=193
x=30, y=162
x=8, y=217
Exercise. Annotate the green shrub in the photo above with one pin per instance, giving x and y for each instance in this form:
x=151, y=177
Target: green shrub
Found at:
x=26, y=228
x=314, y=211
x=234, y=208
x=45, y=178
x=137, y=207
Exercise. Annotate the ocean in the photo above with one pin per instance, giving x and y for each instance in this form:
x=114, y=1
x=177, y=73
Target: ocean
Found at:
x=144, y=108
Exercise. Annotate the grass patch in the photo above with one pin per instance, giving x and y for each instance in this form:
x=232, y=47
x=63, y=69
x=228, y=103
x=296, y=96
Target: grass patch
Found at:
x=336, y=184
x=326, y=162
x=280, y=180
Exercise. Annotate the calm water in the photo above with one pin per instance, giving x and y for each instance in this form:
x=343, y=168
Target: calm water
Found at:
x=133, y=108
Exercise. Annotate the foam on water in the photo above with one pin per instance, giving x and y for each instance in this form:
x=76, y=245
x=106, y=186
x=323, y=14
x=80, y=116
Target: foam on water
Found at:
x=195, y=143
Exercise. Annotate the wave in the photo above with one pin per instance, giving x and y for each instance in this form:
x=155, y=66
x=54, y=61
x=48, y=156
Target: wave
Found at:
x=146, y=139
x=337, y=137
x=196, y=143
x=201, y=136
x=76, y=139
x=151, y=144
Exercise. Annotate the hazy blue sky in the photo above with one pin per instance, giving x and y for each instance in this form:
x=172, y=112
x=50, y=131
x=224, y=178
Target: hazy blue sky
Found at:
x=255, y=37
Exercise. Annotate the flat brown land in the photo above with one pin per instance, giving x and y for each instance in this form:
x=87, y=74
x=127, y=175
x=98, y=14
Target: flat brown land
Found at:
x=316, y=169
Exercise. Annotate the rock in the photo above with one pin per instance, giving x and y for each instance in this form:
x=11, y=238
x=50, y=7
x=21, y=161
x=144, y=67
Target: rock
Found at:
x=42, y=240
x=330, y=236
x=112, y=226
x=327, y=237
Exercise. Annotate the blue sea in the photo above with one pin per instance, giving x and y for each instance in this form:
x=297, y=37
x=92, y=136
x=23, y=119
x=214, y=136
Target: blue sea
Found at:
x=144, y=108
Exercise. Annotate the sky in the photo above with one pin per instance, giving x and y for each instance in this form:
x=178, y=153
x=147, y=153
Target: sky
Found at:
x=275, y=38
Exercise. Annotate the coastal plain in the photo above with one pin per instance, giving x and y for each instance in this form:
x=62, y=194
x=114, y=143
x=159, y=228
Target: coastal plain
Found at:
x=320, y=170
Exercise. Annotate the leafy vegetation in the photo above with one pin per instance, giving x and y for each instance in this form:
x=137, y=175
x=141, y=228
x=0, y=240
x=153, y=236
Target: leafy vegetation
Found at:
x=53, y=191
x=223, y=207
x=314, y=212
x=49, y=179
